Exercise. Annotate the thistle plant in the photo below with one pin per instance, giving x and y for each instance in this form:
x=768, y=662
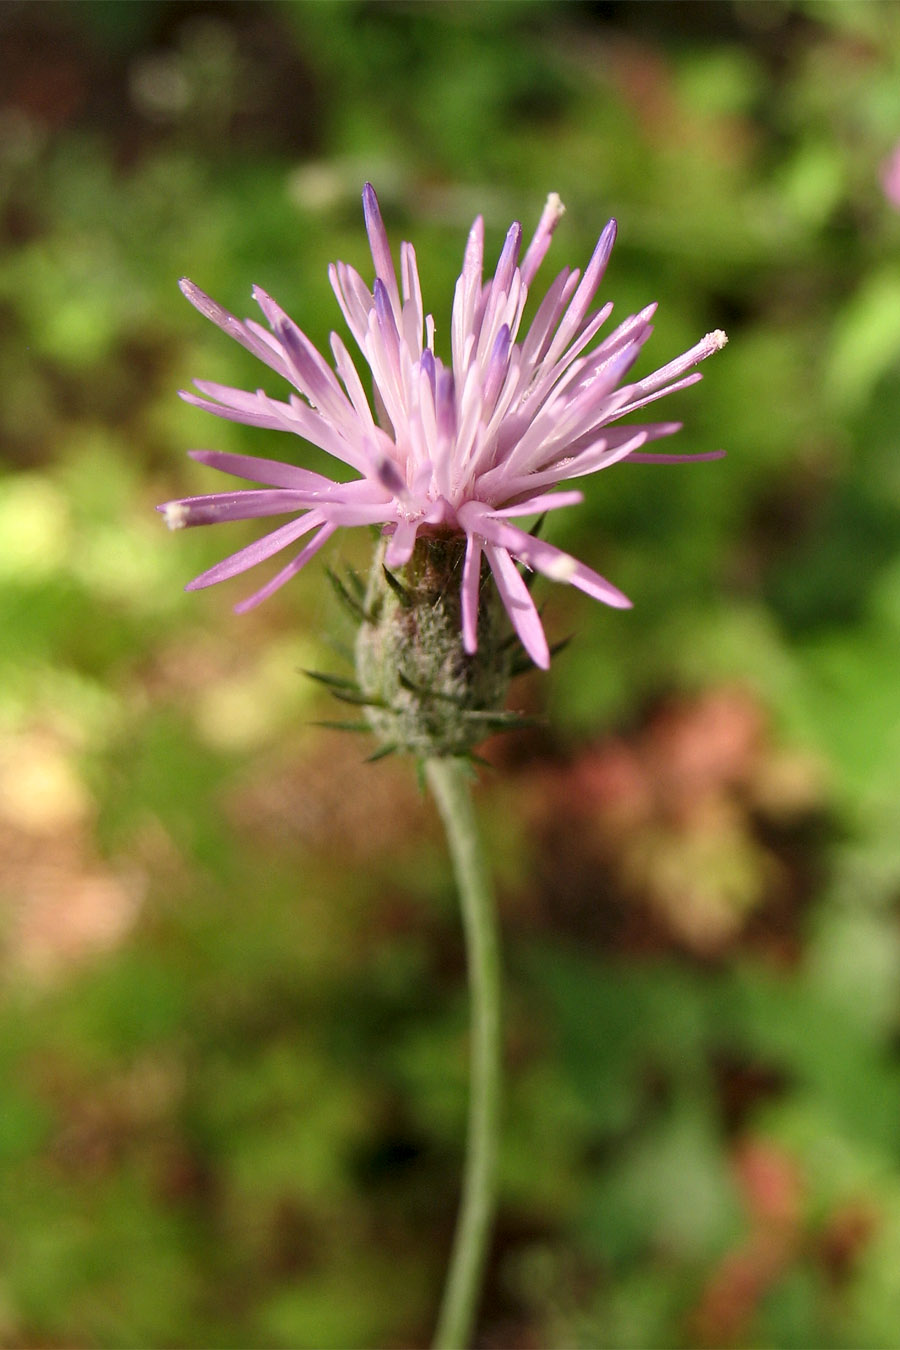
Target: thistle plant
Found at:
x=445, y=458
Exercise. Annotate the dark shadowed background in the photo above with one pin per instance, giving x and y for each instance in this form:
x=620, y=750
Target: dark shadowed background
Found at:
x=233, y=1015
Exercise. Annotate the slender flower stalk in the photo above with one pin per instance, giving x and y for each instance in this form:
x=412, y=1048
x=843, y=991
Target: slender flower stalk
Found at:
x=448, y=780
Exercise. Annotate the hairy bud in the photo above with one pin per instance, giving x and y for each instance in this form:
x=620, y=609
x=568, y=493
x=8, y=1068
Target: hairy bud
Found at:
x=425, y=693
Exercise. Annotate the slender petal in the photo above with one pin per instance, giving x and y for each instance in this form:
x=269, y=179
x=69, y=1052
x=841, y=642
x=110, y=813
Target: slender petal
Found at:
x=241, y=505
x=551, y=561
x=232, y=326
x=470, y=586
x=257, y=552
x=519, y=605
x=269, y=471
x=381, y=249
x=293, y=567
x=550, y=217
x=674, y=459
x=400, y=547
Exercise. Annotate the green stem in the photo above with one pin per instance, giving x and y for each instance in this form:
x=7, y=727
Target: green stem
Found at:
x=448, y=779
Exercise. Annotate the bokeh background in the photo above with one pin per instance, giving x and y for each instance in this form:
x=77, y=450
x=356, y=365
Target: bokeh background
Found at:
x=233, y=1016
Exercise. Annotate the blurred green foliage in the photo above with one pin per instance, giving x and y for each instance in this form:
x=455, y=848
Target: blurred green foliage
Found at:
x=233, y=1019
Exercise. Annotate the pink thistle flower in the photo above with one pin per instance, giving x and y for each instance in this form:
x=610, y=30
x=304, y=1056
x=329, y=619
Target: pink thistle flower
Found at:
x=462, y=450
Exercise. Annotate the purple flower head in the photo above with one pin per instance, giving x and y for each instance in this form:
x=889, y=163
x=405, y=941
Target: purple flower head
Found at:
x=463, y=449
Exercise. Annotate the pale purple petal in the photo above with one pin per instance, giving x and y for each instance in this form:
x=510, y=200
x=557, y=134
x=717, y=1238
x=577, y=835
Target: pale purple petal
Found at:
x=673, y=459
x=241, y=505
x=256, y=552
x=581, y=300
x=241, y=400
x=587, y=334
x=550, y=311
x=354, y=298
x=413, y=314
x=506, y=264
x=551, y=215
x=269, y=339
x=381, y=249
x=496, y=368
x=471, y=583
x=272, y=472
x=519, y=605
x=551, y=561
x=401, y=543
x=296, y=417
x=312, y=376
x=535, y=506
x=713, y=342
x=231, y=325
x=632, y=404
x=291, y=570
x=303, y=421
x=387, y=325
x=592, y=454
x=359, y=513
x=556, y=426
x=352, y=383
x=261, y=418
x=467, y=298
x=607, y=451
x=613, y=438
